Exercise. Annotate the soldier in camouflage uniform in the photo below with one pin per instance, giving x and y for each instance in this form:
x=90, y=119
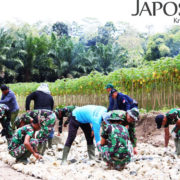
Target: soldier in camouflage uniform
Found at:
x=171, y=118
x=116, y=148
x=61, y=113
x=46, y=119
x=23, y=143
x=127, y=119
x=5, y=117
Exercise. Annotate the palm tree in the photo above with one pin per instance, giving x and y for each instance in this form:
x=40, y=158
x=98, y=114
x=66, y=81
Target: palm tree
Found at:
x=61, y=53
x=43, y=64
x=5, y=66
x=23, y=53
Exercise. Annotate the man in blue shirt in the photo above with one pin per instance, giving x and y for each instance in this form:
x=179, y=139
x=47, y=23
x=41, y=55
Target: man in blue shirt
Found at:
x=9, y=98
x=83, y=117
x=121, y=101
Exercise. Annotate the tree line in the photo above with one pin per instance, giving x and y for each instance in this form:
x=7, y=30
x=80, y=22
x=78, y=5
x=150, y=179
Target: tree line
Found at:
x=39, y=52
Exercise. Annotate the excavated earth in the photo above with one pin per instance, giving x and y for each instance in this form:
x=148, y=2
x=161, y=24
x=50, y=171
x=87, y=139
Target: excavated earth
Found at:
x=151, y=163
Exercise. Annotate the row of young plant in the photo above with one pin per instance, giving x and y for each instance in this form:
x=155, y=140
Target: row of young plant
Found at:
x=155, y=85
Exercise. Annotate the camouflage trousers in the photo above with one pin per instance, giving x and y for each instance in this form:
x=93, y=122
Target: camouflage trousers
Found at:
x=7, y=129
x=178, y=135
x=177, y=143
x=20, y=150
x=118, y=159
x=46, y=128
x=13, y=117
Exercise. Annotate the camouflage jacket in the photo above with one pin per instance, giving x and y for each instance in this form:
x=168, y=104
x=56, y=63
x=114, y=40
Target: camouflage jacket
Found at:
x=5, y=116
x=117, y=137
x=65, y=112
x=131, y=126
x=172, y=116
x=40, y=114
x=3, y=109
x=19, y=136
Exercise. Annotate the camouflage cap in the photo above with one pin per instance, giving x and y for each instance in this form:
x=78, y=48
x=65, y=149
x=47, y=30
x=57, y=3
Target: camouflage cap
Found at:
x=134, y=113
x=63, y=111
x=114, y=117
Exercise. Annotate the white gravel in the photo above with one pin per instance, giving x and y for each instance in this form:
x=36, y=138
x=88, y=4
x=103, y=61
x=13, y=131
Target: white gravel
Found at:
x=151, y=163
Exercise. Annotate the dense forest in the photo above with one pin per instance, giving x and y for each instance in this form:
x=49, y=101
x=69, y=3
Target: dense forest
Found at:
x=49, y=52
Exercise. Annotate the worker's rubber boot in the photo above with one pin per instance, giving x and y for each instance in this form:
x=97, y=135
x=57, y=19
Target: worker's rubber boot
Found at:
x=50, y=143
x=65, y=155
x=23, y=158
x=91, y=151
x=41, y=148
x=177, y=145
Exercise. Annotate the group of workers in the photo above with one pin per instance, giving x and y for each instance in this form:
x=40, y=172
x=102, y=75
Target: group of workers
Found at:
x=116, y=142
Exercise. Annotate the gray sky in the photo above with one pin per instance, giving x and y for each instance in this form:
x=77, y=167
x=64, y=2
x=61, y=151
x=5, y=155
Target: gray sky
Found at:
x=68, y=10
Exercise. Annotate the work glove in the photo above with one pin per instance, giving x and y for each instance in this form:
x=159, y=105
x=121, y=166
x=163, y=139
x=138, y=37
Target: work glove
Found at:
x=173, y=134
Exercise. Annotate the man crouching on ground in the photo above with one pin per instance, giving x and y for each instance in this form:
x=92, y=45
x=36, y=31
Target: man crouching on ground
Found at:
x=115, y=146
x=23, y=144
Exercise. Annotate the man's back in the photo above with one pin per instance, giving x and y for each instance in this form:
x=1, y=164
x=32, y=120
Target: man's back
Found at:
x=124, y=102
x=89, y=113
x=41, y=100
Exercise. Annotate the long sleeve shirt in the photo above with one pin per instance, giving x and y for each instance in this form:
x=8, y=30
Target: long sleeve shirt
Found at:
x=10, y=100
x=41, y=100
x=91, y=114
x=124, y=102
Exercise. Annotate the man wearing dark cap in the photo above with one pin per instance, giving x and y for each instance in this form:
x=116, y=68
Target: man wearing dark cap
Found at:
x=171, y=117
x=9, y=98
x=121, y=101
x=109, y=87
